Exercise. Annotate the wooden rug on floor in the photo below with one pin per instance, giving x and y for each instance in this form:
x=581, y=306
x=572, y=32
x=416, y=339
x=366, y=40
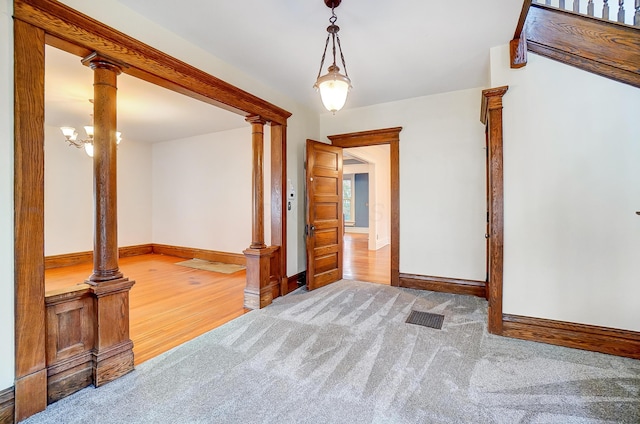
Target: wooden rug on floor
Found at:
x=211, y=266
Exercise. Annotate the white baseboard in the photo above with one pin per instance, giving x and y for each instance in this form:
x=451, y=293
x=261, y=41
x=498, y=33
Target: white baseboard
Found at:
x=358, y=230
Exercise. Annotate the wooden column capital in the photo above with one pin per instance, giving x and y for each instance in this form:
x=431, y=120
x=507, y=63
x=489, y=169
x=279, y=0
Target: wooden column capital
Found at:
x=491, y=100
x=256, y=121
x=98, y=61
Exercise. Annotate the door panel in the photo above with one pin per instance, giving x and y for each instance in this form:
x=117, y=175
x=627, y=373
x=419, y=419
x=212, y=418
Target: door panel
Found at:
x=324, y=214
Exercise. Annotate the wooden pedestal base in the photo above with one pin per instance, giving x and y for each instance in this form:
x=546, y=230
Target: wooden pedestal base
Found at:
x=113, y=349
x=259, y=291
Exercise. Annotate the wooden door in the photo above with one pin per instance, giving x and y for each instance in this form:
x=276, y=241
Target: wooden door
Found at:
x=324, y=221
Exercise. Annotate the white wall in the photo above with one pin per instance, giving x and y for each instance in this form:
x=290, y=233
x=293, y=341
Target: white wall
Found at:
x=202, y=191
x=69, y=209
x=6, y=195
x=572, y=186
x=302, y=125
x=442, y=179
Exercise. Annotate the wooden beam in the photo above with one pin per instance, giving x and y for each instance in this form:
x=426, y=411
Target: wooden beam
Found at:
x=30, y=372
x=145, y=62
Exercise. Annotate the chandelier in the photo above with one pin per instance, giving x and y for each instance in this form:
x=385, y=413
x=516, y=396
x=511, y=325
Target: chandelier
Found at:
x=71, y=136
x=333, y=86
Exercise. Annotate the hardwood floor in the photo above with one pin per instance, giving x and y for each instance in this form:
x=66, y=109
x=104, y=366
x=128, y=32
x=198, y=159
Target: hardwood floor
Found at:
x=169, y=304
x=360, y=263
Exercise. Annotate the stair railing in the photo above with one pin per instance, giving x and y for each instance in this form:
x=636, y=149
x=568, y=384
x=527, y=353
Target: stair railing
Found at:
x=599, y=9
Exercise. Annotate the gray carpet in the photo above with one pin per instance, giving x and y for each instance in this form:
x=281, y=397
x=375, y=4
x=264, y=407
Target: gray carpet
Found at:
x=344, y=354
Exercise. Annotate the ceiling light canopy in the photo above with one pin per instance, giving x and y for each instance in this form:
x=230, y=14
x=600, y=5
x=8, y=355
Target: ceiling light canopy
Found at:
x=333, y=86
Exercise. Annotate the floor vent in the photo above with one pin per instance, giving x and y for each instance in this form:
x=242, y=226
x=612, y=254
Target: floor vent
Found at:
x=426, y=319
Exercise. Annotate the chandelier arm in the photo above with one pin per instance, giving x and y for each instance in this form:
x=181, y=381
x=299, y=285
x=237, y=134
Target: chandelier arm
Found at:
x=326, y=44
x=344, y=65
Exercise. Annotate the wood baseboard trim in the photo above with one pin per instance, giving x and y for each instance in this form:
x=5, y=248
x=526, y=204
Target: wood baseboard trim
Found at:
x=578, y=336
x=296, y=281
x=442, y=284
x=70, y=376
x=193, y=253
x=68, y=259
x=7, y=405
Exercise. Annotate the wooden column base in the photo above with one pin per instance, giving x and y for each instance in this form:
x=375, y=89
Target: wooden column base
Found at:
x=113, y=349
x=258, y=292
x=110, y=364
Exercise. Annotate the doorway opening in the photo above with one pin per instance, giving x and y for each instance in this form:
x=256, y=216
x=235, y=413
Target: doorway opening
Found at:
x=366, y=211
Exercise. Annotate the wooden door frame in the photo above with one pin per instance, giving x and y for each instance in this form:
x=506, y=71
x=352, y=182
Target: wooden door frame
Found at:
x=40, y=22
x=390, y=136
x=491, y=117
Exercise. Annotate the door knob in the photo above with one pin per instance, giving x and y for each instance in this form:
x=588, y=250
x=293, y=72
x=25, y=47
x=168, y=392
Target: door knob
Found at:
x=486, y=236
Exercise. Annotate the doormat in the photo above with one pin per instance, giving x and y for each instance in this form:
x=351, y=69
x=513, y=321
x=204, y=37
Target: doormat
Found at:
x=426, y=319
x=212, y=266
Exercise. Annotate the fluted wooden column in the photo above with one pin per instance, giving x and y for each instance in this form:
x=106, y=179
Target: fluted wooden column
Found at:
x=113, y=349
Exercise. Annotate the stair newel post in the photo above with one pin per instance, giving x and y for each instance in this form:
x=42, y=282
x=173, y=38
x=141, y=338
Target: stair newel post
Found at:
x=590, y=8
x=621, y=11
x=113, y=348
x=576, y=6
x=605, y=9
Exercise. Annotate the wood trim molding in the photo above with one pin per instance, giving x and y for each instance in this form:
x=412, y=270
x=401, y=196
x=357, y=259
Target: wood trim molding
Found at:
x=599, y=46
x=143, y=61
x=7, y=405
x=193, y=253
x=366, y=138
x=491, y=116
x=578, y=336
x=389, y=136
x=68, y=259
x=295, y=281
x=30, y=363
x=445, y=285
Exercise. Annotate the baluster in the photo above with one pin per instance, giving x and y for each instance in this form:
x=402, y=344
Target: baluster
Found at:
x=590, y=8
x=621, y=11
x=547, y=2
x=561, y=4
x=605, y=10
x=576, y=6
x=636, y=17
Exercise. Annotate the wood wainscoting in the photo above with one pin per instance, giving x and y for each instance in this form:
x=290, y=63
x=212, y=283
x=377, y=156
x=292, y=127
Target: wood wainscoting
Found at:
x=445, y=285
x=7, y=405
x=70, y=335
x=579, y=336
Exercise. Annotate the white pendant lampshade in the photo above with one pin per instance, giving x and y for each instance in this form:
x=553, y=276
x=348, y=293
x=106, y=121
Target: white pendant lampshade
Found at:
x=334, y=88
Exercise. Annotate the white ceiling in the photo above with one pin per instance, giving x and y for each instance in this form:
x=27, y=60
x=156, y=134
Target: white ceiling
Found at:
x=393, y=50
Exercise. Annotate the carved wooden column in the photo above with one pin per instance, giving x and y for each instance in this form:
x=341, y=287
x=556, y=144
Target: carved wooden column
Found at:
x=491, y=116
x=257, y=293
x=113, y=349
